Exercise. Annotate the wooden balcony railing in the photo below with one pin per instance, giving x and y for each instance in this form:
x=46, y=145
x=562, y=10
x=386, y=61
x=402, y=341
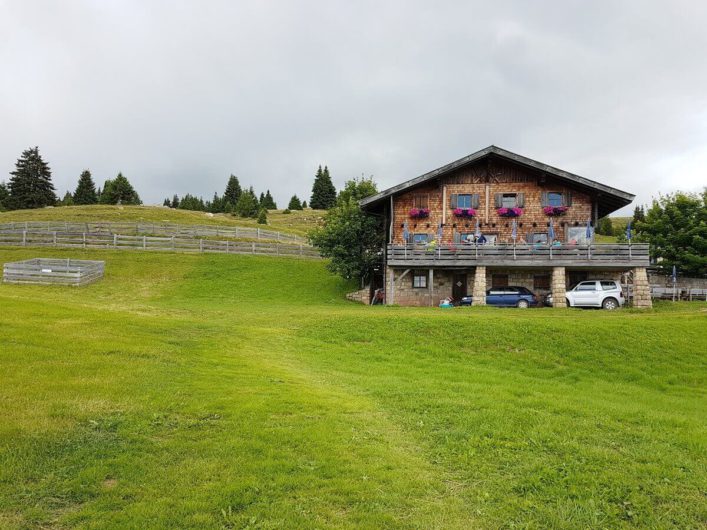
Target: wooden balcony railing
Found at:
x=466, y=255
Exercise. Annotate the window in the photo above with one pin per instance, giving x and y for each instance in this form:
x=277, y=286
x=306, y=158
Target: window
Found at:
x=587, y=286
x=419, y=280
x=554, y=198
x=466, y=237
x=420, y=239
x=420, y=201
x=499, y=280
x=608, y=286
x=538, y=238
x=508, y=200
x=541, y=282
x=577, y=235
x=464, y=201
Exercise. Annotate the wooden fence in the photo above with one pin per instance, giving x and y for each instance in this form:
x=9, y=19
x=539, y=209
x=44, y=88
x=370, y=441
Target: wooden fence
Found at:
x=53, y=271
x=154, y=229
x=58, y=239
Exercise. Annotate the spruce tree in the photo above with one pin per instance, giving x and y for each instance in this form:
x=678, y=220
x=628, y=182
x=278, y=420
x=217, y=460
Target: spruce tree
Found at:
x=247, y=205
x=68, y=199
x=233, y=190
x=175, y=201
x=261, y=200
x=119, y=191
x=268, y=202
x=167, y=203
x=85, y=190
x=323, y=191
x=4, y=197
x=263, y=217
x=294, y=203
x=31, y=183
x=304, y=204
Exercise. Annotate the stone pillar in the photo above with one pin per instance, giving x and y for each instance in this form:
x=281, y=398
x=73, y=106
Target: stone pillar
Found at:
x=558, y=287
x=478, y=293
x=641, y=289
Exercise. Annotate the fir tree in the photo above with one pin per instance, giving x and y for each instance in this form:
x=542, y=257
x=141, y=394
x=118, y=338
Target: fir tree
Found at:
x=167, y=203
x=31, y=183
x=119, y=191
x=68, y=199
x=247, y=205
x=261, y=200
x=216, y=205
x=85, y=190
x=304, y=204
x=4, y=197
x=233, y=190
x=323, y=191
x=639, y=215
x=263, y=217
x=294, y=203
x=175, y=201
x=268, y=202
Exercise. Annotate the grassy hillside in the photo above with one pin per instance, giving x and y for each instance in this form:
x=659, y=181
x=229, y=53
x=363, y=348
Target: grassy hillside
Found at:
x=208, y=391
x=297, y=222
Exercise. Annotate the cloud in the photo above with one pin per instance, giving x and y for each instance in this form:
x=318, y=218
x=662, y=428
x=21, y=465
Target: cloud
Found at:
x=178, y=95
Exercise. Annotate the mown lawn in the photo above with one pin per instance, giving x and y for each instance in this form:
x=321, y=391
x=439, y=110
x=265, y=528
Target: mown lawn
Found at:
x=296, y=222
x=206, y=391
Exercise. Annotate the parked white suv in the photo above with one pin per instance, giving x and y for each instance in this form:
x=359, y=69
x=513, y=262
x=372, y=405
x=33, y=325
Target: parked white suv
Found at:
x=594, y=293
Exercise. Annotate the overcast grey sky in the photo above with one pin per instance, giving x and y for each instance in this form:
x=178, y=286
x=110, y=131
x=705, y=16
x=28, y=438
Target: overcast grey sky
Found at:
x=179, y=94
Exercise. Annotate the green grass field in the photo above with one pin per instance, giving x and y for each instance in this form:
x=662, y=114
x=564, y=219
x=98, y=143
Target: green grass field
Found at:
x=209, y=391
x=296, y=222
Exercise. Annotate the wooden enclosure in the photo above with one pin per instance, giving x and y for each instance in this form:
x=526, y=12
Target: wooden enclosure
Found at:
x=49, y=271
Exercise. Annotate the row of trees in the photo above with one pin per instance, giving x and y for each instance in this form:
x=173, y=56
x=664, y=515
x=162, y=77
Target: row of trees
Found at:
x=31, y=186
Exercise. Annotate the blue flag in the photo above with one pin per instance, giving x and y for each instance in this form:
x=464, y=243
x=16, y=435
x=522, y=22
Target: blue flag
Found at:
x=514, y=233
x=550, y=233
x=440, y=232
x=675, y=274
x=406, y=232
x=628, y=231
x=588, y=233
x=477, y=231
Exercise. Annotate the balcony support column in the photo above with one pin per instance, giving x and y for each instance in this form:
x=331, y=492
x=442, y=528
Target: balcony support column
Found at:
x=641, y=289
x=558, y=287
x=478, y=293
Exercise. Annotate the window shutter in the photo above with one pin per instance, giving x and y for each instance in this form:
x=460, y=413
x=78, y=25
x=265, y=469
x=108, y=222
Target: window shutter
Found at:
x=567, y=198
x=520, y=200
x=498, y=200
x=475, y=200
x=543, y=199
x=453, y=201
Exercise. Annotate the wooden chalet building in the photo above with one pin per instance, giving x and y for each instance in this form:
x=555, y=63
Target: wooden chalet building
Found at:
x=434, y=221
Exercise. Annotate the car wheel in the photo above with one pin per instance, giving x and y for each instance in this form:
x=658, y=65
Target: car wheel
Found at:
x=523, y=304
x=610, y=304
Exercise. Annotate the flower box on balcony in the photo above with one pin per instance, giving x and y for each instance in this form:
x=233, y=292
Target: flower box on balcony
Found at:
x=420, y=213
x=465, y=213
x=509, y=212
x=554, y=211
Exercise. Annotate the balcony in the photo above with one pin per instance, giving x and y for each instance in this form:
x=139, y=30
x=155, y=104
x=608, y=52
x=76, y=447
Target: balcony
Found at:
x=603, y=256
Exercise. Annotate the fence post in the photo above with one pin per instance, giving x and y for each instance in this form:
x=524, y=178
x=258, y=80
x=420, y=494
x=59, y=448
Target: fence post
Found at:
x=201, y=245
x=277, y=248
x=115, y=240
x=227, y=246
x=172, y=243
x=54, y=237
x=236, y=232
x=24, y=237
x=258, y=229
x=144, y=242
x=84, y=240
x=253, y=243
x=300, y=249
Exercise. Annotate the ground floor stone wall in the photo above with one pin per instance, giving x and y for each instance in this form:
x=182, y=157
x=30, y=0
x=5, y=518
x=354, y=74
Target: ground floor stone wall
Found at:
x=538, y=280
x=662, y=280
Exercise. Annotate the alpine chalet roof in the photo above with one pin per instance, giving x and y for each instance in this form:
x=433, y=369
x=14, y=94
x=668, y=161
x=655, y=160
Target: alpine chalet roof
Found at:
x=610, y=199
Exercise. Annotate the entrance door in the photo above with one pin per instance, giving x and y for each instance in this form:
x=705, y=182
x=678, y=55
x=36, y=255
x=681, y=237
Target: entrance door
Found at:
x=459, y=286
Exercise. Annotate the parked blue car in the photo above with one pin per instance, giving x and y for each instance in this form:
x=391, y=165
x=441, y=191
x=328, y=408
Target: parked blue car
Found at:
x=512, y=296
